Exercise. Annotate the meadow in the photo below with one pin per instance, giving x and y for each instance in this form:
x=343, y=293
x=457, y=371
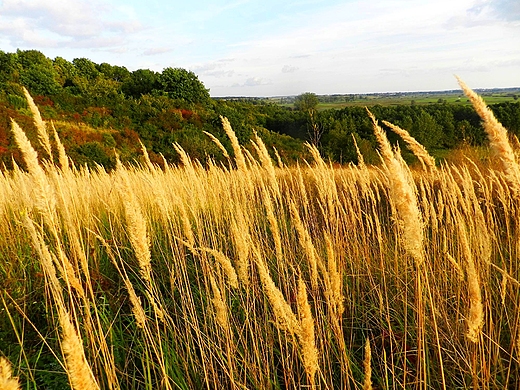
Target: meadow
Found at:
x=252, y=274
x=419, y=98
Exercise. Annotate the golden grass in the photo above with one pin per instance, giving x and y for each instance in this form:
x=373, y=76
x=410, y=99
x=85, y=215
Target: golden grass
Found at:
x=260, y=277
x=497, y=135
x=7, y=381
x=367, y=367
x=427, y=161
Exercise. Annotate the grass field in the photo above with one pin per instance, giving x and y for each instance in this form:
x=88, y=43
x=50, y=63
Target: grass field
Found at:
x=420, y=100
x=256, y=275
x=409, y=98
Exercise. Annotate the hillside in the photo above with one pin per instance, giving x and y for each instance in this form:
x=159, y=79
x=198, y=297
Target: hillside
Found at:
x=100, y=109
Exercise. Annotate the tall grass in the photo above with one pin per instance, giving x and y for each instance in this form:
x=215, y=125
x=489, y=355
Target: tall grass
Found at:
x=259, y=276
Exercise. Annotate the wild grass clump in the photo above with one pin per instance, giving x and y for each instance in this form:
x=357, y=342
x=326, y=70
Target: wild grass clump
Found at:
x=257, y=275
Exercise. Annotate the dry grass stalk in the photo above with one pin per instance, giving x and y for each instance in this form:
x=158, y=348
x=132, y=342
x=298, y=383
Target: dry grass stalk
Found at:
x=218, y=143
x=147, y=160
x=336, y=281
x=286, y=320
x=367, y=366
x=239, y=156
x=219, y=304
x=137, y=229
x=7, y=381
x=140, y=241
x=267, y=163
x=62, y=154
x=186, y=226
x=427, y=161
x=278, y=158
x=384, y=145
x=137, y=307
x=273, y=223
x=361, y=160
x=326, y=183
x=456, y=265
x=157, y=308
x=226, y=265
x=135, y=301
x=306, y=243
x=503, y=289
x=45, y=200
x=316, y=156
x=241, y=239
x=78, y=370
x=476, y=309
x=46, y=203
x=403, y=195
x=304, y=198
x=497, y=136
x=165, y=163
x=185, y=159
x=41, y=128
x=307, y=336
x=66, y=269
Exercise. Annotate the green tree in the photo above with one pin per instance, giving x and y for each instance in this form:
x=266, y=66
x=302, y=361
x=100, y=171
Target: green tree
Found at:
x=140, y=82
x=65, y=70
x=114, y=72
x=182, y=84
x=307, y=102
x=427, y=131
x=37, y=72
x=86, y=68
x=8, y=66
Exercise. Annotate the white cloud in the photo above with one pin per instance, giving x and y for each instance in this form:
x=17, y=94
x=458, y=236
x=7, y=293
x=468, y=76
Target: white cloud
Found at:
x=253, y=82
x=322, y=46
x=289, y=69
x=70, y=23
x=156, y=51
x=398, y=45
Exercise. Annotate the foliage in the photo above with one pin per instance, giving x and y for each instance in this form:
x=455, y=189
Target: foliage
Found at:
x=174, y=106
x=307, y=102
x=182, y=84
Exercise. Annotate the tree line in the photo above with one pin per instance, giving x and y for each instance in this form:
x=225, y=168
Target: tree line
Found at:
x=160, y=108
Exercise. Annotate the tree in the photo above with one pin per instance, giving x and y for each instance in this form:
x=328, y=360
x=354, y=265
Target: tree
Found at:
x=65, y=70
x=37, y=72
x=114, y=72
x=40, y=80
x=8, y=66
x=307, y=102
x=182, y=84
x=140, y=82
x=86, y=68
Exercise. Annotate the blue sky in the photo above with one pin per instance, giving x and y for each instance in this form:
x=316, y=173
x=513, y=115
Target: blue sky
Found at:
x=270, y=48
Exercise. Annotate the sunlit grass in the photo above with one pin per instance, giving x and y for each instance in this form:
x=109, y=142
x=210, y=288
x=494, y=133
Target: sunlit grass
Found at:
x=260, y=276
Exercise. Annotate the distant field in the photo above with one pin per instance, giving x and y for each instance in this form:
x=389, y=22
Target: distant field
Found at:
x=409, y=99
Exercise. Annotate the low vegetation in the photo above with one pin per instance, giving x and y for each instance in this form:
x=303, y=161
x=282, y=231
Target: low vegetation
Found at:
x=248, y=273
x=99, y=108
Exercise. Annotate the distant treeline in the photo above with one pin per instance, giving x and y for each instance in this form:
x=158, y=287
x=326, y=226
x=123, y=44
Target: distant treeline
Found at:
x=160, y=108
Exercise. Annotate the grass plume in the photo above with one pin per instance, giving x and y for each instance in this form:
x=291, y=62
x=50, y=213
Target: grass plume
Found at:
x=497, y=135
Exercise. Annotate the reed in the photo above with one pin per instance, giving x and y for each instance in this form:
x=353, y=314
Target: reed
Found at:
x=427, y=161
x=497, y=135
x=258, y=275
x=41, y=126
x=307, y=335
x=7, y=381
x=367, y=367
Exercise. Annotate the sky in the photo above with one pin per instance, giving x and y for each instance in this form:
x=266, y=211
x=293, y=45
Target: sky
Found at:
x=284, y=47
